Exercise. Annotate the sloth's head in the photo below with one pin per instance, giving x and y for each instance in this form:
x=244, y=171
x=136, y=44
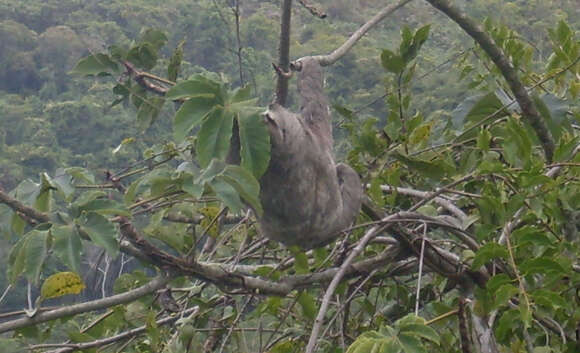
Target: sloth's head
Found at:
x=284, y=126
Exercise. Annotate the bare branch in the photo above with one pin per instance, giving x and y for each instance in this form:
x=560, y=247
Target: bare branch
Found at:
x=509, y=73
x=326, y=60
x=284, y=53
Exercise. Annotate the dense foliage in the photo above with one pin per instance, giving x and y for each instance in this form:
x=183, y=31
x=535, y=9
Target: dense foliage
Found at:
x=126, y=179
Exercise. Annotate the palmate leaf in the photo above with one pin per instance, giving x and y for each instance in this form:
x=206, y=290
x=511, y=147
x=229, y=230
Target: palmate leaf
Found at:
x=197, y=86
x=100, y=230
x=67, y=245
x=254, y=142
x=28, y=255
x=213, y=139
x=191, y=114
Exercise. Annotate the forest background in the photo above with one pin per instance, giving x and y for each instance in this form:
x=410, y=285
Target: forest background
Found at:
x=51, y=119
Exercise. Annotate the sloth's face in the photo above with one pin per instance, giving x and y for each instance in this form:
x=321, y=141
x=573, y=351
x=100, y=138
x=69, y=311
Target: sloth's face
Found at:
x=283, y=125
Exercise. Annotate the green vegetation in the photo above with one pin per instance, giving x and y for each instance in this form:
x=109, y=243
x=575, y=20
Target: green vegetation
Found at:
x=117, y=122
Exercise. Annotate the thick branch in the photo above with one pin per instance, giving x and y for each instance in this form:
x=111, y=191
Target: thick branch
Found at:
x=19, y=207
x=122, y=298
x=529, y=110
x=327, y=60
x=284, y=53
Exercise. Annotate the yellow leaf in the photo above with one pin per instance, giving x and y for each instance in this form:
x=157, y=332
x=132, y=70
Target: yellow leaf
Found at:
x=209, y=215
x=60, y=284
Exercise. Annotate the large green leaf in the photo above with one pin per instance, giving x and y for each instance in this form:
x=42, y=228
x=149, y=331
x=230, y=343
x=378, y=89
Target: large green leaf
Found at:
x=36, y=251
x=410, y=343
x=213, y=139
x=101, y=231
x=227, y=194
x=105, y=207
x=190, y=114
x=254, y=142
x=67, y=246
x=197, y=86
x=95, y=64
x=245, y=184
x=422, y=331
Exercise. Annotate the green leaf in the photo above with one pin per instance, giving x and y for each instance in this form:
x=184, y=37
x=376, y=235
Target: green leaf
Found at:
x=149, y=111
x=436, y=169
x=517, y=144
x=155, y=37
x=190, y=114
x=17, y=259
x=550, y=299
x=475, y=109
x=227, y=194
x=245, y=184
x=254, y=143
x=554, y=111
x=410, y=343
x=488, y=252
x=105, y=207
x=214, y=168
x=300, y=260
x=308, y=305
x=101, y=231
x=36, y=251
x=421, y=330
x=95, y=64
x=198, y=86
x=213, y=139
x=392, y=62
x=542, y=265
x=503, y=294
x=67, y=246
x=144, y=56
x=484, y=139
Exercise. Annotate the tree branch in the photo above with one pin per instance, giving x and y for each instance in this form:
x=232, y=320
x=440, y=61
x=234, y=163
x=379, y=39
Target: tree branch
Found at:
x=19, y=207
x=528, y=107
x=284, y=53
x=70, y=347
x=327, y=60
x=122, y=298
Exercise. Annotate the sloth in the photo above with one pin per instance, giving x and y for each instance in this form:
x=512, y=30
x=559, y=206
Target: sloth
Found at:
x=307, y=198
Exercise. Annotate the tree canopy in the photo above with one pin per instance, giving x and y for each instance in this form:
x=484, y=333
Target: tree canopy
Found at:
x=128, y=225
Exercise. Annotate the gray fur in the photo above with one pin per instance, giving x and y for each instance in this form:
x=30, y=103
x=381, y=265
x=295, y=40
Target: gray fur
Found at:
x=307, y=199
